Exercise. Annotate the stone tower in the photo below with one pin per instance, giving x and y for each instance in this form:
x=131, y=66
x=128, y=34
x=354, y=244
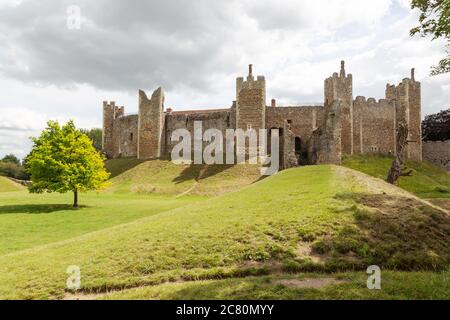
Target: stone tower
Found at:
x=407, y=99
x=339, y=87
x=151, y=125
x=250, y=102
x=110, y=113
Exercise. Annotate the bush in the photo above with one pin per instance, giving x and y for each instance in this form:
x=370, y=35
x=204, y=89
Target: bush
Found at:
x=13, y=170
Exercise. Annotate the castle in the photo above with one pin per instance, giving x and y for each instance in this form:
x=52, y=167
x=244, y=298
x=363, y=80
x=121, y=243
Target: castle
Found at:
x=308, y=134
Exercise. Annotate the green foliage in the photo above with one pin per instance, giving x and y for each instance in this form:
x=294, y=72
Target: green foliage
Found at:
x=13, y=170
x=95, y=135
x=10, y=166
x=63, y=159
x=436, y=127
x=11, y=159
x=434, y=21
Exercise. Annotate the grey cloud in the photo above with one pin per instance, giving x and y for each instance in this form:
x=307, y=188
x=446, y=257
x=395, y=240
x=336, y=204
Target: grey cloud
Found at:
x=123, y=45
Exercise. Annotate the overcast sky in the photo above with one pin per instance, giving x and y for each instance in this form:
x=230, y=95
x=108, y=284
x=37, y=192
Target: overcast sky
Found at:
x=195, y=49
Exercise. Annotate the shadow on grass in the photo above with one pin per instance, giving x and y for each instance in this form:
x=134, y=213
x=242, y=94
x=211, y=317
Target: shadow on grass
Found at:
x=391, y=231
x=37, y=208
x=118, y=166
x=201, y=171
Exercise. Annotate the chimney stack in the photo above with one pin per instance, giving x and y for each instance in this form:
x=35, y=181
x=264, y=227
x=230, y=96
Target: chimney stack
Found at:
x=274, y=103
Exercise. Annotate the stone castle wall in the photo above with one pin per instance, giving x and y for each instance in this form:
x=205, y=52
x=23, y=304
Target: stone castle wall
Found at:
x=217, y=119
x=373, y=126
x=437, y=152
x=322, y=133
x=339, y=87
x=303, y=120
x=150, y=125
x=126, y=131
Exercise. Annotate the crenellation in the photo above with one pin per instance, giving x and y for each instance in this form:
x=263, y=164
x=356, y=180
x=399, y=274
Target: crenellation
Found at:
x=315, y=133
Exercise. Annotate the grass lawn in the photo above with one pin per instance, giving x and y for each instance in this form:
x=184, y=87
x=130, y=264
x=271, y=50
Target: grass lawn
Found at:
x=7, y=185
x=32, y=220
x=317, y=218
x=311, y=286
x=426, y=181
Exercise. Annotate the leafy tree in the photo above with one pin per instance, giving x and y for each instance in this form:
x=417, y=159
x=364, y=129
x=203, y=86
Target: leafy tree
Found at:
x=434, y=21
x=436, y=126
x=95, y=135
x=11, y=158
x=63, y=159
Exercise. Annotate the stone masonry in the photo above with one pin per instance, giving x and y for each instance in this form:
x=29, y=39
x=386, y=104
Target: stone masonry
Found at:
x=437, y=152
x=317, y=134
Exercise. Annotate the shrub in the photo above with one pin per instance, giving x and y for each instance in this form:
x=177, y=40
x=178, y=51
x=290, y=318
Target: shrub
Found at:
x=13, y=170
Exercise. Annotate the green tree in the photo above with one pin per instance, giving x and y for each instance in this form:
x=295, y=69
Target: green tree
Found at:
x=11, y=158
x=95, y=135
x=434, y=21
x=63, y=159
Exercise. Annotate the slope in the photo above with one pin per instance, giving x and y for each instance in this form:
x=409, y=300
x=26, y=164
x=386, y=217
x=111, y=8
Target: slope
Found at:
x=317, y=218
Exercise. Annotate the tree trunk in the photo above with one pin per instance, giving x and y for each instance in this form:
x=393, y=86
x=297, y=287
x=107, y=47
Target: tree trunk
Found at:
x=75, y=198
x=402, y=140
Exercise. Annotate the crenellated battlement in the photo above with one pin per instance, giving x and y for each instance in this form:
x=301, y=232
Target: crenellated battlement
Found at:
x=372, y=102
x=341, y=125
x=250, y=101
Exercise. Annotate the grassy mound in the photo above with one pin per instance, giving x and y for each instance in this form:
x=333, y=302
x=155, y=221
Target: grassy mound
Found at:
x=426, y=181
x=317, y=218
x=165, y=177
x=118, y=166
x=7, y=185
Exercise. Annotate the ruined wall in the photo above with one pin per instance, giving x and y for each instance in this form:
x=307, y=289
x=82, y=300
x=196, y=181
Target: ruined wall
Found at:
x=250, y=102
x=111, y=113
x=289, y=159
x=221, y=120
x=126, y=136
x=303, y=120
x=437, y=152
x=150, y=125
x=325, y=145
x=373, y=126
x=341, y=126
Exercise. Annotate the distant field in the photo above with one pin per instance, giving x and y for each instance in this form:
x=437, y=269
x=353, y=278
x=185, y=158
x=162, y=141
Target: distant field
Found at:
x=317, y=219
x=426, y=181
x=7, y=185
